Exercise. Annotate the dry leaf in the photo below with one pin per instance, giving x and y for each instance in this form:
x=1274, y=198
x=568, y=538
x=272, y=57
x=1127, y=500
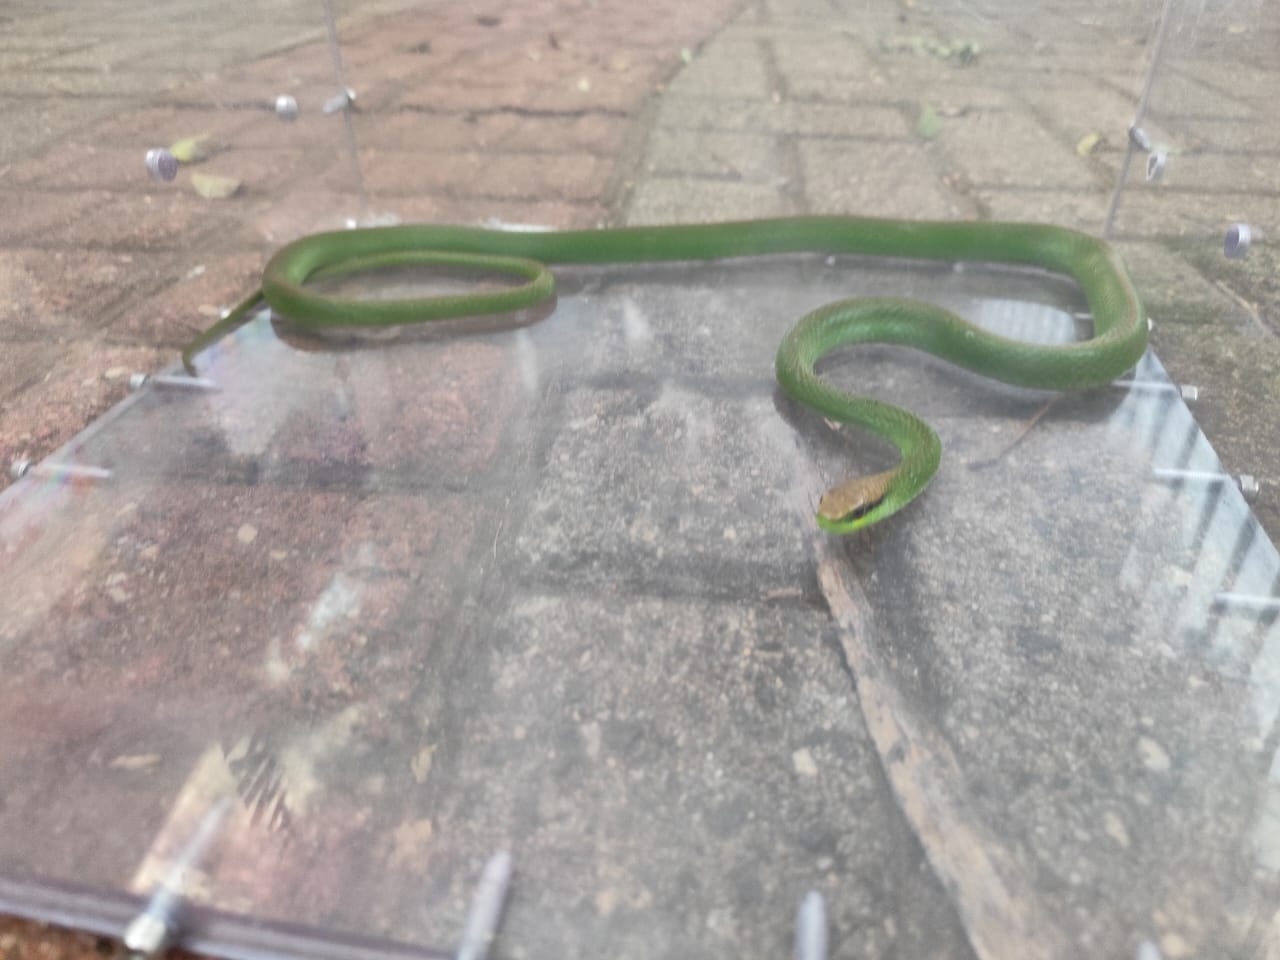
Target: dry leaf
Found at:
x=192, y=149
x=213, y=187
x=1087, y=144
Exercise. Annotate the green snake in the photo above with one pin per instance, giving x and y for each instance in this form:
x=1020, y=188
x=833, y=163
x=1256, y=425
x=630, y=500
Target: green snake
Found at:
x=1119, y=334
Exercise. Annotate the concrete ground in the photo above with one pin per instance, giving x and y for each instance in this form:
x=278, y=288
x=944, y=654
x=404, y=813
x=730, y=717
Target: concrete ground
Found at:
x=574, y=114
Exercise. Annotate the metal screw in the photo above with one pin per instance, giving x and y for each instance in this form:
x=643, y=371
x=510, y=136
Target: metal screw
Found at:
x=139, y=380
x=811, y=928
x=286, y=107
x=1247, y=484
x=1157, y=160
x=161, y=164
x=486, y=908
x=154, y=930
x=1247, y=601
x=1187, y=391
x=57, y=471
x=1236, y=245
x=340, y=101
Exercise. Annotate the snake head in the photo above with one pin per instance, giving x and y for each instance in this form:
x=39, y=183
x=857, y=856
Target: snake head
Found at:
x=855, y=504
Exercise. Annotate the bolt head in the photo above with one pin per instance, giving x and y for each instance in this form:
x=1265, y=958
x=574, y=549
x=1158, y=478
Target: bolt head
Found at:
x=148, y=935
x=1157, y=160
x=341, y=101
x=1236, y=244
x=1249, y=486
x=286, y=107
x=161, y=164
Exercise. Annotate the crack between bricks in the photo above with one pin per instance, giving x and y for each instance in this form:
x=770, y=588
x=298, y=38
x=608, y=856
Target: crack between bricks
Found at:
x=793, y=186
x=512, y=110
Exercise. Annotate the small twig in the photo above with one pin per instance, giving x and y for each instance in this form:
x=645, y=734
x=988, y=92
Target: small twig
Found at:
x=497, y=534
x=1249, y=308
x=1026, y=429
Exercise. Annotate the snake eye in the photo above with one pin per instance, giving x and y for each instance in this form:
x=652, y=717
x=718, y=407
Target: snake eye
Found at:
x=859, y=512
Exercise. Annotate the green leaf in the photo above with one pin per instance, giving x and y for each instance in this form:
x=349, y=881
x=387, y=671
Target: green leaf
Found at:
x=213, y=187
x=929, y=124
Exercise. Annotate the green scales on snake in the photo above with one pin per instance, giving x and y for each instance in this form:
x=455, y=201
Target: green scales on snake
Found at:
x=1119, y=335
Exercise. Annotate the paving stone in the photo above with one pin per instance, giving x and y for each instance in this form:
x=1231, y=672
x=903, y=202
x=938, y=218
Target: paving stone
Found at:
x=547, y=176
x=918, y=80
x=1214, y=172
x=686, y=200
x=819, y=120
x=1156, y=212
x=493, y=211
x=876, y=179
x=22, y=364
x=32, y=215
x=1079, y=210
x=75, y=83
x=30, y=126
x=435, y=133
x=63, y=293
x=1173, y=290
x=639, y=726
x=1087, y=107
x=664, y=527
x=44, y=412
x=733, y=156
x=980, y=146
x=830, y=55
x=174, y=315
x=1256, y=85
x=86, y=166
x=1175, y=97
x=161, y=220
x=737, y=68
x=1240, y=136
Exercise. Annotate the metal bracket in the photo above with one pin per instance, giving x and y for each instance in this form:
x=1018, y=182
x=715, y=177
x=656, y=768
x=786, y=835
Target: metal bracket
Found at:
x=1247, y=484
x=1186, y=391
x=57, y=471
x=159, y=926
x=811, y=928
x=486, y=908
x=165, y=380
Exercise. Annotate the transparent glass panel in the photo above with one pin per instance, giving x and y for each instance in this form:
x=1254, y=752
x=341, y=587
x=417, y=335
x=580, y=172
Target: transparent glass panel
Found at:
x=557, y=590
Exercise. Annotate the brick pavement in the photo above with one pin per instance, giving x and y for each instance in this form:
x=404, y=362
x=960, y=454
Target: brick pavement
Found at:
x=478, y=111
x=465, y=113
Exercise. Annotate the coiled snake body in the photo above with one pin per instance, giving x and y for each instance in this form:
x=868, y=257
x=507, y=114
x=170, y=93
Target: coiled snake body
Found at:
x=1119, y=335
